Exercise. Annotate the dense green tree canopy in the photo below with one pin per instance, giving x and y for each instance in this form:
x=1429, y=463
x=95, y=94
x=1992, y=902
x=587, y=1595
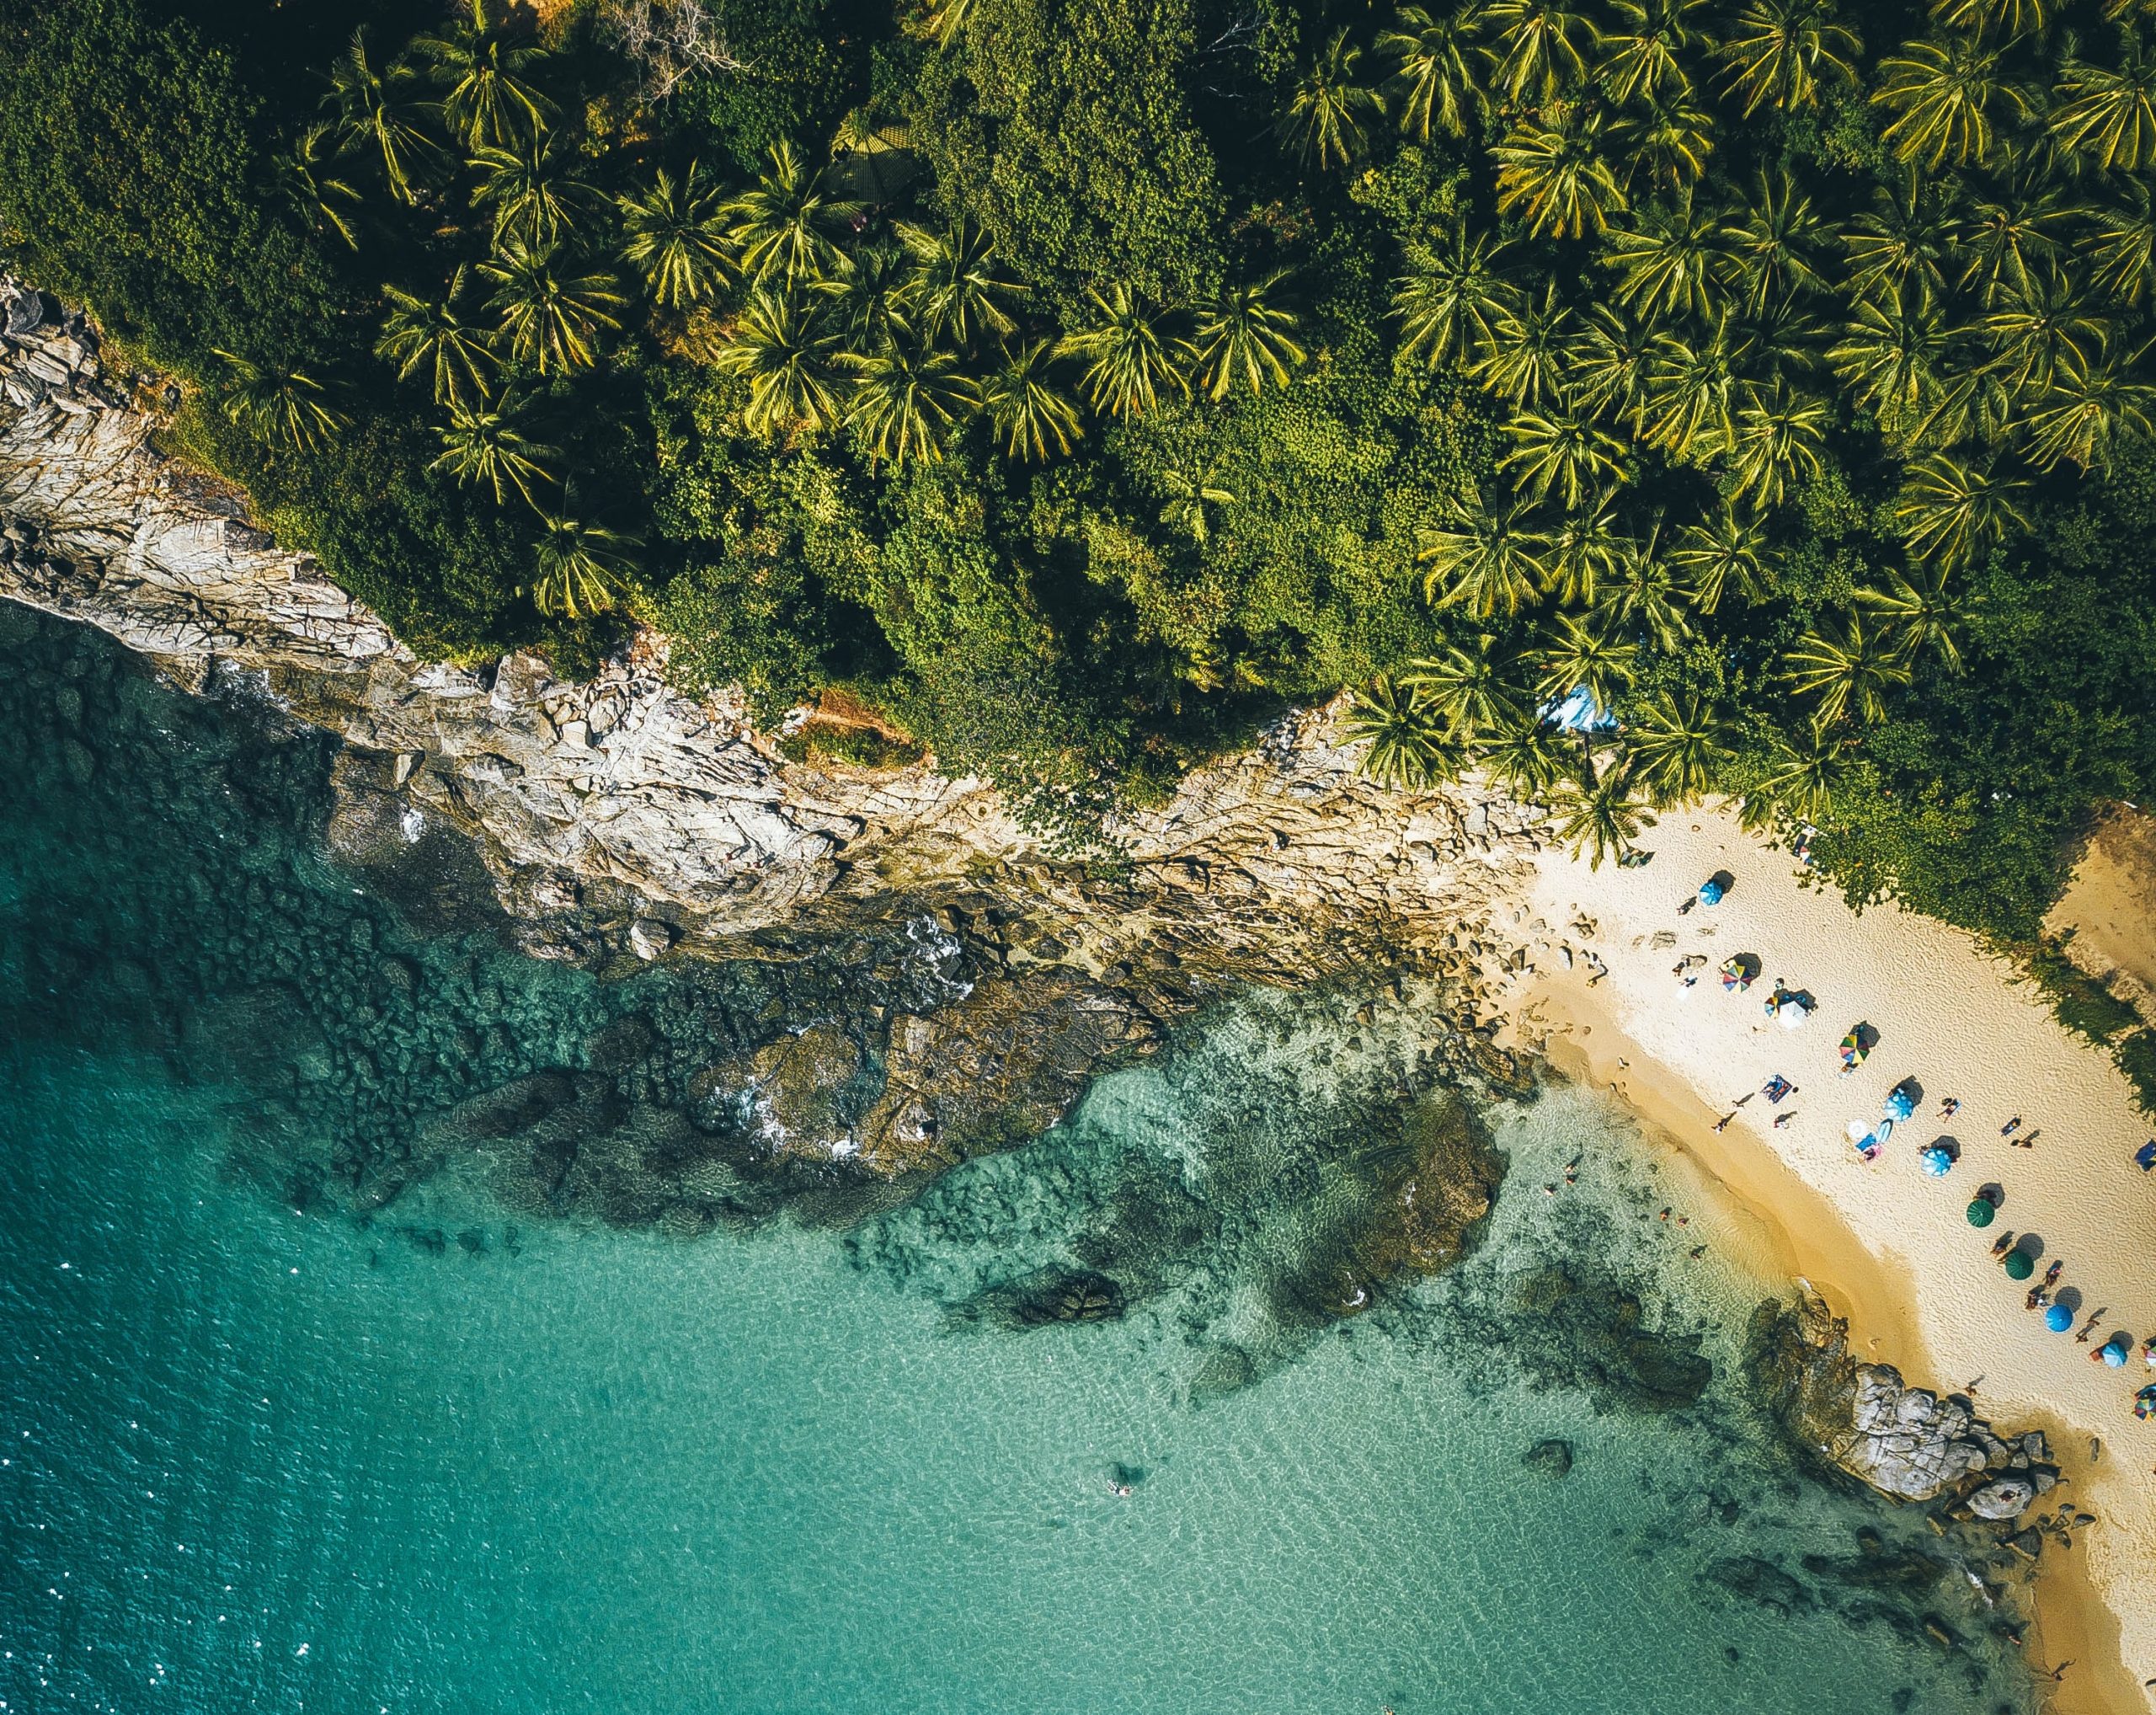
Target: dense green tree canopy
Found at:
x=1765, y=384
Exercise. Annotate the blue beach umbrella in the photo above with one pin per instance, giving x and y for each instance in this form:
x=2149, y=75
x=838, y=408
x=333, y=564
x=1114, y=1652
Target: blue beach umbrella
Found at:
x=2114, y=1352
x=1935, y=1161
x=2058, y=1318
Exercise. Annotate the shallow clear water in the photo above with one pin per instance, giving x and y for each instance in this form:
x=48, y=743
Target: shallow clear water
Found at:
x=463, y=1456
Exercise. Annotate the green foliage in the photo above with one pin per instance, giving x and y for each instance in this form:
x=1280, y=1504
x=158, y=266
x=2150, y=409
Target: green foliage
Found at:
x=1075, y=383
x=133, y=176
x=1065, y=130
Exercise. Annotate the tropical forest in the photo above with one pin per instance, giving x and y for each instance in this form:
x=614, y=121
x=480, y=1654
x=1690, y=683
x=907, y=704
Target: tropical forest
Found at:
x=1631, y=400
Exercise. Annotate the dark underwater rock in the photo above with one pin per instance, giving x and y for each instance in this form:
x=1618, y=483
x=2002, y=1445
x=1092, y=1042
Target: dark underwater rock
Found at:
x=1593, y=1334
x=1049, y=1297
x=1552, y=1459
x=1761, y=1582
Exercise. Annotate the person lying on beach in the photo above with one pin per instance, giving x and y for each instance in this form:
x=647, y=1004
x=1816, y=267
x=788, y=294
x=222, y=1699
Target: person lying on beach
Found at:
x=2003, y=1243
x=2011, y=1126
x=1949, y=1108
x=2145, y=1156
x=1782, y=1120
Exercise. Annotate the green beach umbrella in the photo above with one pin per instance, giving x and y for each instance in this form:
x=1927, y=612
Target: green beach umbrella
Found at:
x=1980, y=1213
x=2019, y=1265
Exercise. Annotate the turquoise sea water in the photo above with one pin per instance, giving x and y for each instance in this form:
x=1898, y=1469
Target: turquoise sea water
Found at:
x=466, y=1454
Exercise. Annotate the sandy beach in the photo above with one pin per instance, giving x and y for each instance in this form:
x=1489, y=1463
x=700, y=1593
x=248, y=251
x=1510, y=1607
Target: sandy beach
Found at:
x=1888, y=1246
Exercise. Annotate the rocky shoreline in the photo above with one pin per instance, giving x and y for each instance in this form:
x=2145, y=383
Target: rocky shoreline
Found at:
x=619, y=825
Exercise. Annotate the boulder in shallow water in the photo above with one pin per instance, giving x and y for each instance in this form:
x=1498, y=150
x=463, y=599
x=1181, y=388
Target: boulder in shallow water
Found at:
x=1552, y=1458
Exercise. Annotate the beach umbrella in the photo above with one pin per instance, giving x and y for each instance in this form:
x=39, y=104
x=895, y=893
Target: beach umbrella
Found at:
x=2144, y=1403
x=1710, y=893
x=1935, y=1161
x=2019, y=1265
x=1980, y=1213
x=1900, y=1103
x=2114, y=1354
x=1793, y=1012
x=1855, y=1046
x=2058, y=1318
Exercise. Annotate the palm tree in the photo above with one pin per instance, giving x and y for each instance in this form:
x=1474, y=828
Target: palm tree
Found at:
x=1677, y=259
x=2036, y=332
x=552, y=319
x=1580, y=654
x=946, y=19
x=1434, y=84
x=1467, y=688
x=1689, y=407
x=1919, y=617
x=483, y=444
x=1669, y=142
x=785, y=353
x=1903, y=238
x=1677, y=748
x=1557, y=173
x=531, y=187
x=1488, y=563
x=1242, y=335
x=2121, y=249
x=907, y=399
x=1188, y=499
x=1717, y=553
x=1128, y=352
x=1777, y=241
x=1410, y=746
x=1800, y=779
x=2107, y=114
x=2091, y=405
x=1607, y=363
x=1537, y=47
x=1602, y=820
x=958, y=291
x=1951, y=513
x=1525, y=363
x=1642, y=598
x=1326, y=120
x=1028, y=411
x=278, y=404
x=309, y=178
x=432, y=336
x=583, y=568
x=1582, y=550
x=1524, y=760
x=375, y=114
x=1889, y=356
x=1643, y=57
x=481, y=69
x=2004, y=19
x=1944, y=94
x=2010, y=242
x=870, y=298
x=1565, y=450
x=1848, y=668
x=676, y=238
x=1779, y=435
x=785, y=224
x=1452, y=302
x=1779, y=52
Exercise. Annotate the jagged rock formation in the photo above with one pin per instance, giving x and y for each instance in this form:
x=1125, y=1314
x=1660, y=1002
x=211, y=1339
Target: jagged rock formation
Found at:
x=1908, y=1442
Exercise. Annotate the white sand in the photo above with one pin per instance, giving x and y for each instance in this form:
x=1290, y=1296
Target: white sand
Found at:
x=1952, y=1015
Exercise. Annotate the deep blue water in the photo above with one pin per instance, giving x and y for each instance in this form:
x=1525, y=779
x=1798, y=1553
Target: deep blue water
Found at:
x=299, y=1410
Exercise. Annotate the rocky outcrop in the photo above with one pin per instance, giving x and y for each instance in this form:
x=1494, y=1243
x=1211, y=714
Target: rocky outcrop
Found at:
x=1907, y=1442
x=623, y=821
